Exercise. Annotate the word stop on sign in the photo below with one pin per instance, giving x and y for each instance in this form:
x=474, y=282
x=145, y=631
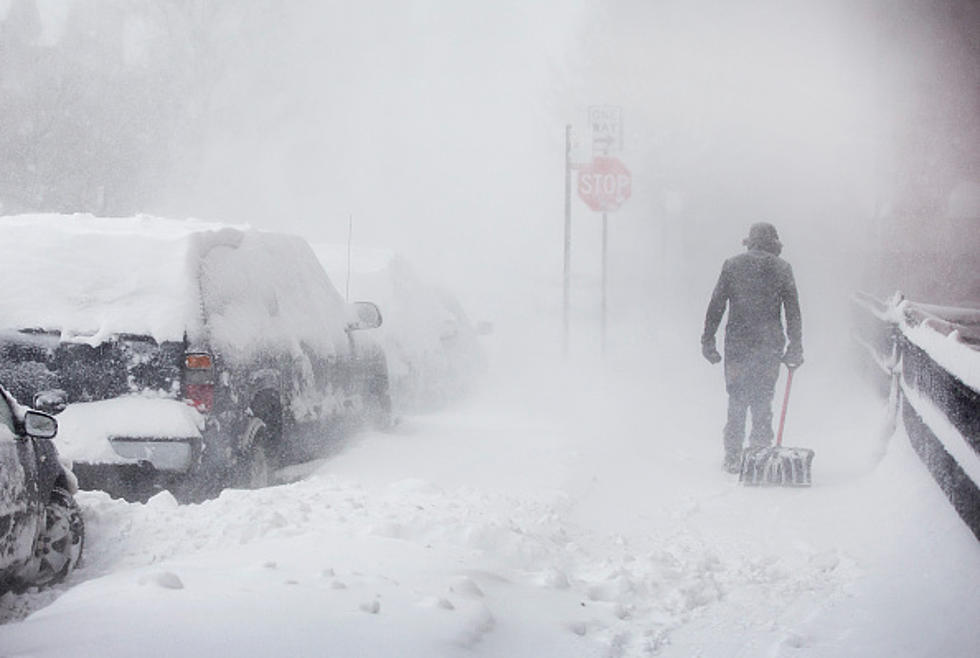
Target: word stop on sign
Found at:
x=604, y=184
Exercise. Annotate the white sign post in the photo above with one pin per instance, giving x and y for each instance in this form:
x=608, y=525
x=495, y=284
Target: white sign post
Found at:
x=603, y=184
x=606, y=122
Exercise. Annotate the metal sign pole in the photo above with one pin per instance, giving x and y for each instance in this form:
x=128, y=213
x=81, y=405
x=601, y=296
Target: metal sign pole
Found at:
x=605, y=245
x=350, y=237
x=568, y=237
x=606, y=122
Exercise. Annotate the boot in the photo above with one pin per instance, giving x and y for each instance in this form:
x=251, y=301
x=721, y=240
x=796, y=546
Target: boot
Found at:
x=733, y=461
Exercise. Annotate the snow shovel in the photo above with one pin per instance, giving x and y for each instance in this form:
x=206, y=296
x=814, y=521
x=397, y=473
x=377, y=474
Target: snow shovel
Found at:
x=776, y=465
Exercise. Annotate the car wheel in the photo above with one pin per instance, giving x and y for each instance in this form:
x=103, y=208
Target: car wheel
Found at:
x=59, y=546
x=379, y=403
x=258, y=467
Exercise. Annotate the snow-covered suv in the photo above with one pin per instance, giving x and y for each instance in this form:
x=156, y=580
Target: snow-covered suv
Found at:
x=186, y=355
x=41, y=529
x=433, y=350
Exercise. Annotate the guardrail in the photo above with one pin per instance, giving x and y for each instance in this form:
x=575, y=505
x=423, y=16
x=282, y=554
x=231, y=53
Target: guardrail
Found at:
x=928, y=360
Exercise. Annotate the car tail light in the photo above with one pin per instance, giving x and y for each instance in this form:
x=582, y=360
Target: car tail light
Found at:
x=200, y=396
x=199, y=381
x=197, y=361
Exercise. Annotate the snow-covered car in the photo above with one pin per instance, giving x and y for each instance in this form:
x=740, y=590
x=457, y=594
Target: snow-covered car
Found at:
x=186, y=355
x=41, y=528
x=433, y=351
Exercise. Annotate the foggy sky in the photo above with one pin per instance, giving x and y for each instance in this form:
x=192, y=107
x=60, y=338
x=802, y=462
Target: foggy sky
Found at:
x=438, y=126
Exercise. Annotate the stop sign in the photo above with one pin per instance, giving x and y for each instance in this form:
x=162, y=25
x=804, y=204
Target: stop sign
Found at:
x=604, y=184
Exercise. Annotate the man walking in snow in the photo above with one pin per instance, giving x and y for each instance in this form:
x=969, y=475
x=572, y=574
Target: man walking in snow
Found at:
x=756, y=286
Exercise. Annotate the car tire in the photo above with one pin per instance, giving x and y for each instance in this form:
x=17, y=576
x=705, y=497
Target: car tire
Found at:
x=379, y=403
x=256, y=458
x=59, y=546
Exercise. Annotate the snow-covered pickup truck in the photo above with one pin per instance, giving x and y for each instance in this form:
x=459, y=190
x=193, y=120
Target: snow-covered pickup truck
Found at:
x=185, y=355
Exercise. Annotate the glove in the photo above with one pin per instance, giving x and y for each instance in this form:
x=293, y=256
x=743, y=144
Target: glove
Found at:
x=793, y=358
x=710, y=352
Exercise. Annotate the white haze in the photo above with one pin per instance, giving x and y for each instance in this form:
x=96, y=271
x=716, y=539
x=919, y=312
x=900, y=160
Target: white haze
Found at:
x=437, y=128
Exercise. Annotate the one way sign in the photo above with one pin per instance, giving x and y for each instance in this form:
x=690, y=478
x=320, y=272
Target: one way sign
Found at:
x=607, y=129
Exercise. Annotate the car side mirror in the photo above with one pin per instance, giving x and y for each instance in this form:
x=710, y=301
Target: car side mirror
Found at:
x=51, y=402
x=368, y=316
x=40, y=425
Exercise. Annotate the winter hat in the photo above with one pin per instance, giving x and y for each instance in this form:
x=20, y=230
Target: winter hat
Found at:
x=762, y=235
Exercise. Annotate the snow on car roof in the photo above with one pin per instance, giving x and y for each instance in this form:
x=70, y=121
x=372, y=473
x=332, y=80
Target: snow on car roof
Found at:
x=89, y=277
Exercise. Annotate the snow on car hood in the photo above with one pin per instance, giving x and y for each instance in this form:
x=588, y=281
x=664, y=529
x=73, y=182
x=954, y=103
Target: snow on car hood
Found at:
x=84, y=428
x=90, y=277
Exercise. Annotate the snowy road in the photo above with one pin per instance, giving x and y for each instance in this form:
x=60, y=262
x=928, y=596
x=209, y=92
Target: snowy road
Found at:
x=585, y=518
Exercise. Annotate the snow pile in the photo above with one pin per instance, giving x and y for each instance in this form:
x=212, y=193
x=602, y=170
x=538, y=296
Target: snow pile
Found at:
x=586, y=517
x=954, y=356
x=84, y=429
x=431, y=347
x=446, y=571
x=945, y=347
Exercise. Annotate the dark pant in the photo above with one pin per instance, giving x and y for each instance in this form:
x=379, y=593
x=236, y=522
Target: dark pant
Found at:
x=751, y=382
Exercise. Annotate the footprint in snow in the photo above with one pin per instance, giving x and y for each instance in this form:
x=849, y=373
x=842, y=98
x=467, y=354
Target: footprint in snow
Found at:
x=796, y=641
x=466, y=587
x=165, y=579
x=826, y=561
x=555, y=578
x=437, y=602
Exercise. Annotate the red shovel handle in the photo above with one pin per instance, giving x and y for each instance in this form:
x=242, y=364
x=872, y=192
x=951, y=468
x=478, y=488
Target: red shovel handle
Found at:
x=782, y=416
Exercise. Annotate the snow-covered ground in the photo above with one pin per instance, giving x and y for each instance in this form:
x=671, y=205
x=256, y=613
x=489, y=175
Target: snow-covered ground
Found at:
x=581, y=512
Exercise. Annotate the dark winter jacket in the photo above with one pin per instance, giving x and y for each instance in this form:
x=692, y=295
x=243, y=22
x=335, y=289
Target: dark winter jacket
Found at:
x=756, y=286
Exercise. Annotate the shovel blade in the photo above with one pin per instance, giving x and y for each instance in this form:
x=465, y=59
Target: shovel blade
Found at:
x=776, y=466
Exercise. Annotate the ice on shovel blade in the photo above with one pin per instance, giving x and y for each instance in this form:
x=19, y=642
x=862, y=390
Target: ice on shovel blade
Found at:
x=777, y=466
